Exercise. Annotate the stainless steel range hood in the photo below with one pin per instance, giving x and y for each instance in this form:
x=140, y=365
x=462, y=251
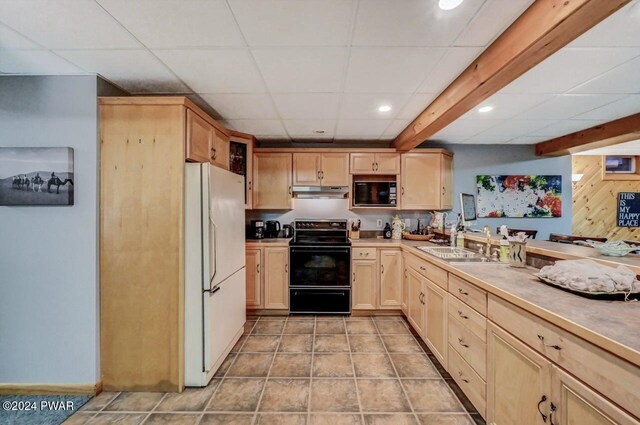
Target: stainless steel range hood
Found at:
x=320, y=192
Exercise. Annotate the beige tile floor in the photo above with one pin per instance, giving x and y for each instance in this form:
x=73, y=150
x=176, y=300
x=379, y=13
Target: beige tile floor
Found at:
x=305, y=370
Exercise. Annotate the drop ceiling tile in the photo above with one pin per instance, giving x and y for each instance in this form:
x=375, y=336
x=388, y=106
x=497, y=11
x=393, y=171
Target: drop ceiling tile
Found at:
x=507, y=105
x=628, y=105
x=527, y=140
x=480, y=139
x=297, y=69
x=9, y=39
x=242, y=106
x=453, y=62
x=260, y=128
x=410, y=23
x=565, y=127
x=620, y=29
x=395, y=128
x=565, y=106
x=294, y=22
x=41, y=62
x=365, y=106
x=214, y=70
x=66, y=24
x=307, y=105
x=361, y=129
x=461, y=130
x=492, y=19
x=307, y=128
x=389, y=69
x=515, y=128
x=177, y=23
x=136, y=71
x=570, y=67
x=416, y=104
x=623, y=79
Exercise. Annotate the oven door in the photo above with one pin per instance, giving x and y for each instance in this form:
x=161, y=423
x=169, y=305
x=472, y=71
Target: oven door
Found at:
x=319, y=267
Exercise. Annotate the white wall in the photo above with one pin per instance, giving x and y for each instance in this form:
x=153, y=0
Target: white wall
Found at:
x=49, y=329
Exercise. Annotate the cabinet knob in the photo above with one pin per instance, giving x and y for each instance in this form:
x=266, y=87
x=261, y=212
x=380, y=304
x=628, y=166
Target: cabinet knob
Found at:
x=214, y=153
x=402, y=190
x=258, y=268
x=466, y=381
x=462, y=316
x=462, y=292
x=554, y=346
x=381, y=268
x=462, y=343
x=290, y=192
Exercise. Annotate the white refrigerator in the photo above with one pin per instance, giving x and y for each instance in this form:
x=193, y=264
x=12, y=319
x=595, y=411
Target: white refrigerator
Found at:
x=214, y=269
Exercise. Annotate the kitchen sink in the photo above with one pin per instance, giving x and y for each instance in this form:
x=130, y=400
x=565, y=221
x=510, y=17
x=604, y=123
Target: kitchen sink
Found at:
x=453, y=254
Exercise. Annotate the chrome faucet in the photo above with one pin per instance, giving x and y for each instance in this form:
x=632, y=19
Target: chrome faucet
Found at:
x=487, y=233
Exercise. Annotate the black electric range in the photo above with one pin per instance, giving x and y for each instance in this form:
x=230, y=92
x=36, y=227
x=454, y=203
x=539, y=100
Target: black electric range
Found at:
x=320, y=267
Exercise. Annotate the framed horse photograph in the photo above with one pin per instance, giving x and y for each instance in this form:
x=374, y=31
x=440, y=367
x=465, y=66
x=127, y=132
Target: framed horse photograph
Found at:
x=36, y=176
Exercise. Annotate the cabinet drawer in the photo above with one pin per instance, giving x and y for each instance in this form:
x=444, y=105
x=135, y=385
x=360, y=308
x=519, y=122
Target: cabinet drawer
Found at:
x=470, y=294
x=471, y=319
x=615, y=378
x=363, y=253
x=428, y=270
x=469, y=346
x=470, y=382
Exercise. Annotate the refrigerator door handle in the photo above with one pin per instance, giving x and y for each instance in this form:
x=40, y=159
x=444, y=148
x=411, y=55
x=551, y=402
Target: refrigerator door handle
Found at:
x=214, y=256
x=213, y=290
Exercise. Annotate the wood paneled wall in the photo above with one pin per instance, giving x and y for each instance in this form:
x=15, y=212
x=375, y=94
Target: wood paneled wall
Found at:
x=595, y=201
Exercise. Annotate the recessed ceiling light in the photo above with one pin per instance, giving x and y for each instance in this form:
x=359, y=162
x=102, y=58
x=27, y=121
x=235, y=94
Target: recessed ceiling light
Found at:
x=486, y=109
x=384, y=108
x=449, y=4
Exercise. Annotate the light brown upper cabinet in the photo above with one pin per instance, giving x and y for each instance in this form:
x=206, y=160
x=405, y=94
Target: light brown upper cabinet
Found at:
x=375, y=163
x=272, y=181
x=321, y=169
x=241, y=163
x=426, y=181
x=206, y=143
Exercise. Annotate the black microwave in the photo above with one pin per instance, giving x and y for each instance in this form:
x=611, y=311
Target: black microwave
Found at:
x=374, y=194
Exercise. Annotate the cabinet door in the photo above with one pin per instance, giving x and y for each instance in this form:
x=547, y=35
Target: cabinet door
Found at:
x=272, y=181
x=362, y=163
x=220, y=149
x=421, y=188
x=387, y=163
x=415, y=302
x=518, y=381
x=575, y=403
x=276, y=278
x=363, y=287
x=390, y=278
x=335, y=169
x=405, y=279
x=254, y=281
x=199, y=138
x=436, y=320
x=306, y=169
x=241, y=162
x=447, y=182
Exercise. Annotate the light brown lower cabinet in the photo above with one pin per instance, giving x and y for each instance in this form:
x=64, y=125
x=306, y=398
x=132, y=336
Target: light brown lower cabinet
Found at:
x=254, y=278
x=523, y=387
x=390, y=288
x=363, y=284
x=276, y=278
x=405, y=278
x=415, y=300
x=435, y=323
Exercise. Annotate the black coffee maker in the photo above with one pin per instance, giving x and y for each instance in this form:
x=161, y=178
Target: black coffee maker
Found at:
x=272, y=229
x=257, y=229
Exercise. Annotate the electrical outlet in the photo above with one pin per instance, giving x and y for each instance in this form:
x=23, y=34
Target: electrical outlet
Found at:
x=379, y=222
x=407, y=222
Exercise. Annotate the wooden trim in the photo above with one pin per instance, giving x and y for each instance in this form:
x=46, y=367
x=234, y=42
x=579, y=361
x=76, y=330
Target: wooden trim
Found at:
x=51, y=389
x=599, y=136
x=347, y=150
x=246, y=137
x=543, y=29
x=620, y=176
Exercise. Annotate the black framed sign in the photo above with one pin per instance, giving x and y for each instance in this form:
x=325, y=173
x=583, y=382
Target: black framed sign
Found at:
x=628, y=209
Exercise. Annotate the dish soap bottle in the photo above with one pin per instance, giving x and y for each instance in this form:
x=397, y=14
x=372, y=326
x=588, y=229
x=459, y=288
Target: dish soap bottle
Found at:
x=504, y=249
x=460, y=241
x=387, y=231
x=452, y=236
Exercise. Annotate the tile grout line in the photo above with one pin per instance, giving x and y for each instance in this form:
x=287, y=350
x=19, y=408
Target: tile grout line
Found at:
x=404, y=391
x=353, y=368
x=313, y=350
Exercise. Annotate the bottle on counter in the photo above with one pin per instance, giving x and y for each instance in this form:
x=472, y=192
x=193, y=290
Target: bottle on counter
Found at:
x=452, y=236
x=460, y=241
x=504, y=249
x=387, y=231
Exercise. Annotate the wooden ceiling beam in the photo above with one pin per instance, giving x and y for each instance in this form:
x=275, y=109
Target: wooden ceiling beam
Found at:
x=600, y=136
x=543, y=29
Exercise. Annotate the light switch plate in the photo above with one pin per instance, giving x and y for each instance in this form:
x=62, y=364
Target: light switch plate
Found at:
x=379, y=222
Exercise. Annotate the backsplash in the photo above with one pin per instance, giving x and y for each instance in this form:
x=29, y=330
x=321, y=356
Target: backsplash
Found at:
x=337, y=208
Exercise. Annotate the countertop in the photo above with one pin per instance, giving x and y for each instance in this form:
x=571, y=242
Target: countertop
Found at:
x=611, y=325
x=276, y=242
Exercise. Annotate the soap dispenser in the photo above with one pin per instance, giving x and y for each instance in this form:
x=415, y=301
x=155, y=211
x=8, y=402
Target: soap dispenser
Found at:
x=387, y=231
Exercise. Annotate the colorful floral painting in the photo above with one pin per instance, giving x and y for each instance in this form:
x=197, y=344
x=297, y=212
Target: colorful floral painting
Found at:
x=519, y=196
